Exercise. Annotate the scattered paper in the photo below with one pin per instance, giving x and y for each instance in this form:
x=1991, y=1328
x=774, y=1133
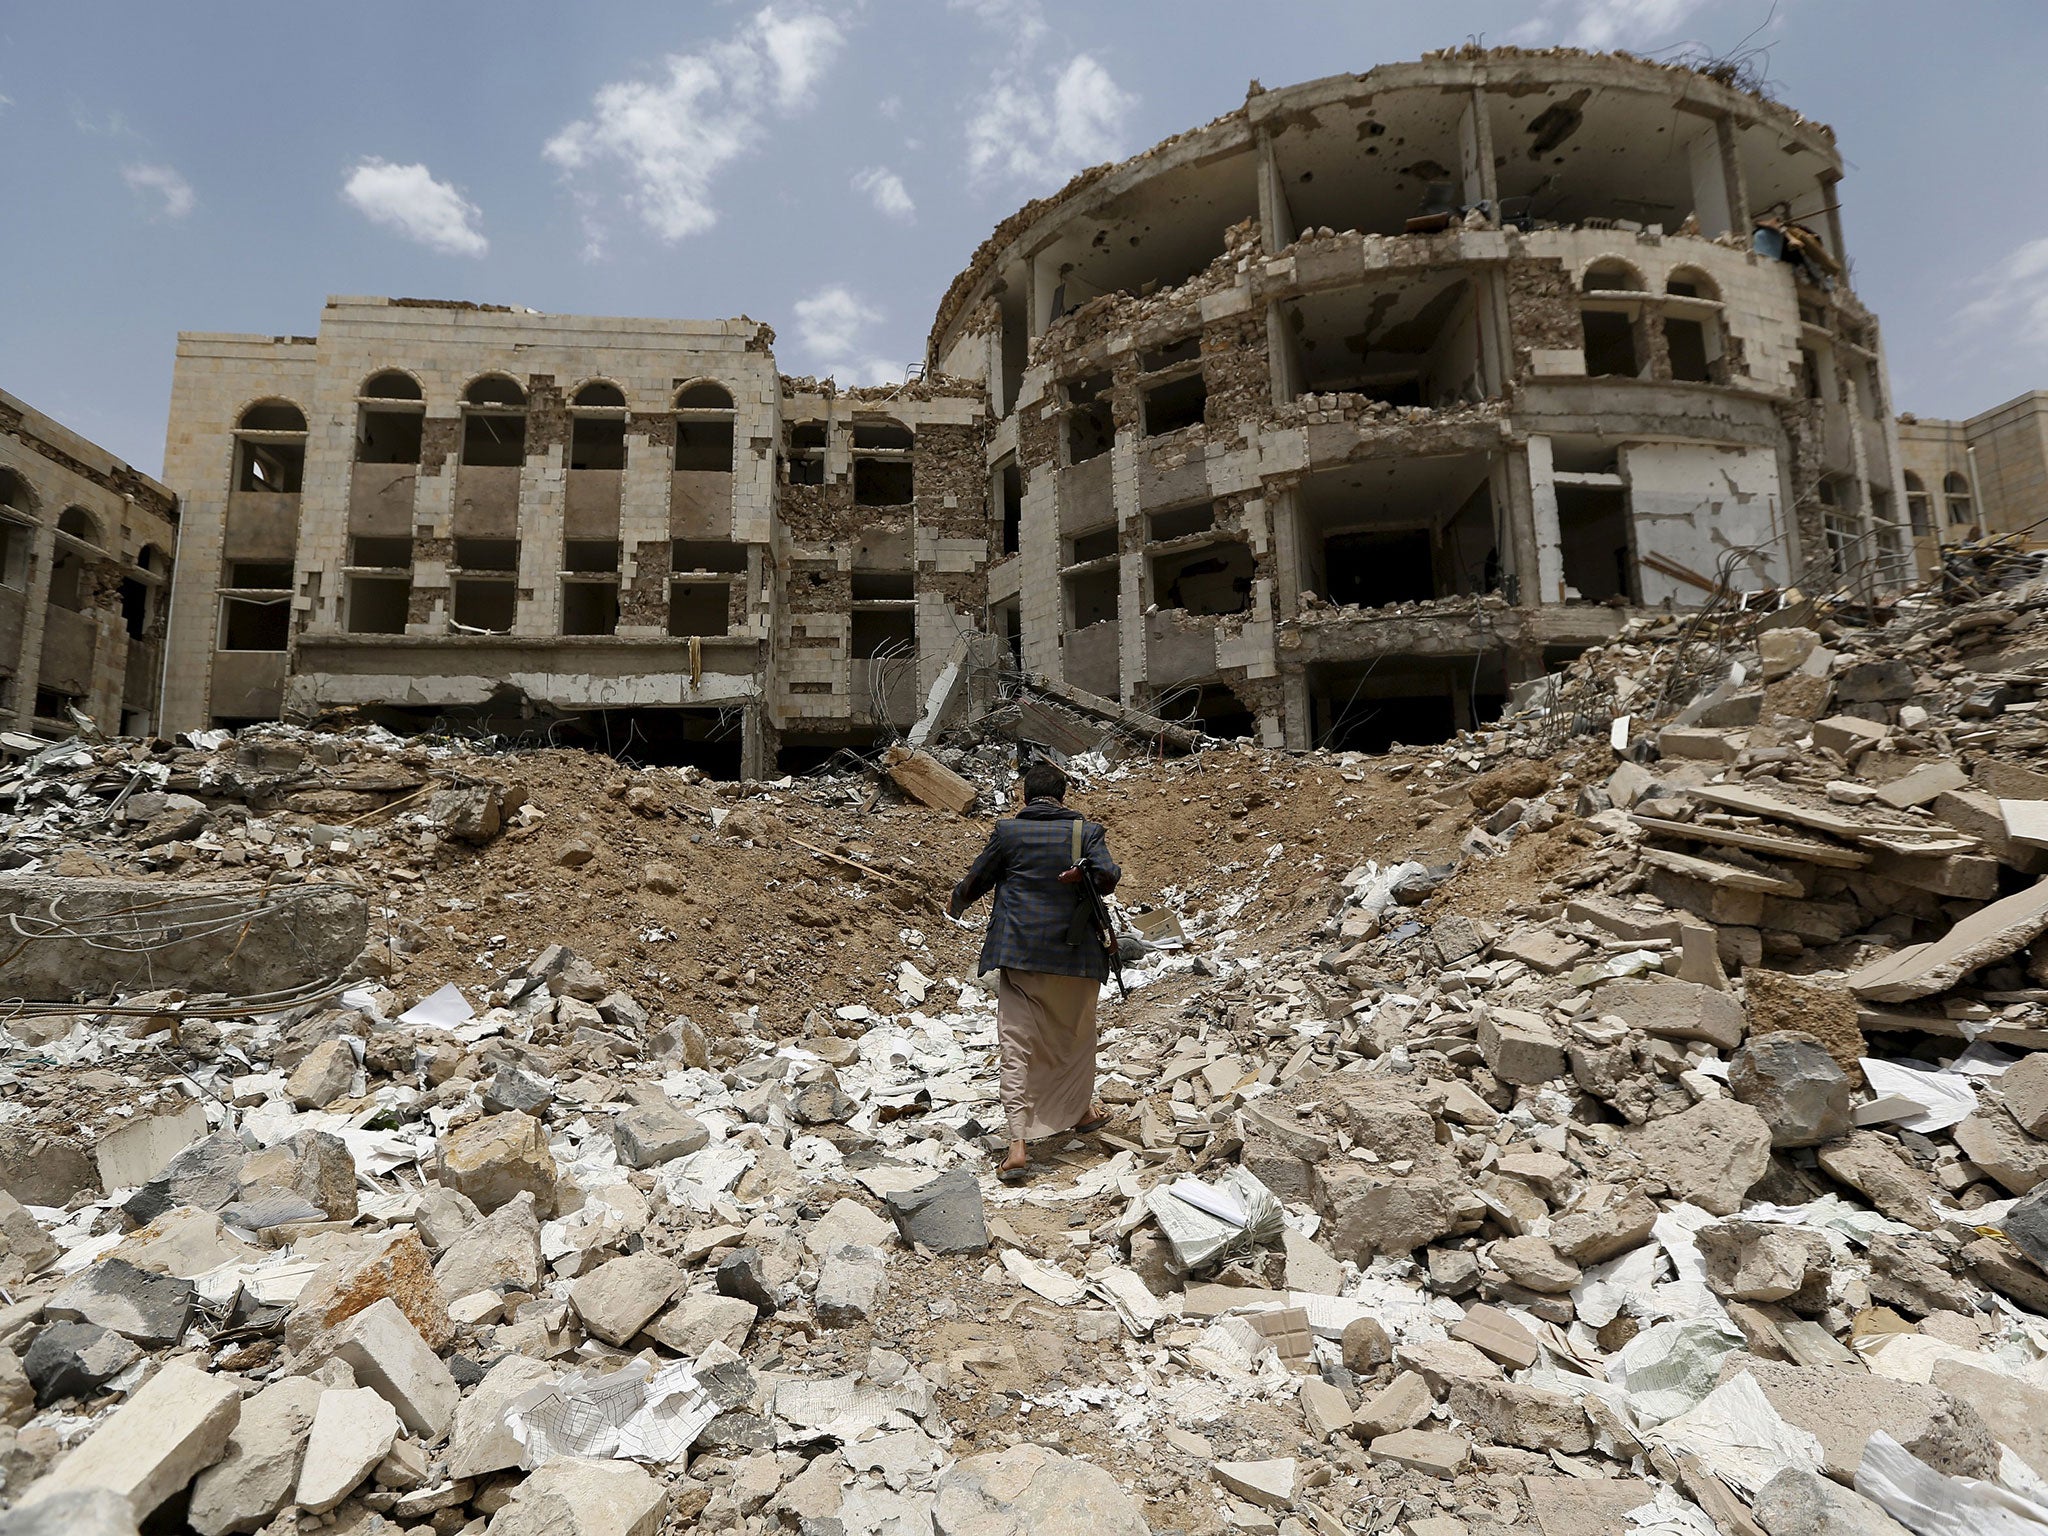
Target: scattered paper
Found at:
x=629, y=1415
x=1944, y=1098
x=441, y=1009
x=1931, y=1503
x=1740, y=1437
x=1055, y=1285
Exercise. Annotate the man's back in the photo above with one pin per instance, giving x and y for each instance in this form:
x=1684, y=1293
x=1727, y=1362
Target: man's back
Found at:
x=1030, y=926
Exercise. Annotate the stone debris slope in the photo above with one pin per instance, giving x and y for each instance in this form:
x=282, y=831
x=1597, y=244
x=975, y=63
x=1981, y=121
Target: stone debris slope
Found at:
x=1630, y=1117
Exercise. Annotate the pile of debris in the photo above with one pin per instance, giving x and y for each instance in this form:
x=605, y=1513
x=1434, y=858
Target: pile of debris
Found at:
x=1499, y=1140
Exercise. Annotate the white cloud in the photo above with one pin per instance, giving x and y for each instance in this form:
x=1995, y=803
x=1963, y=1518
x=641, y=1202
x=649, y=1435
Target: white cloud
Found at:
x=164, y=180
x=831, y=329
x=1044, y=136
x=672, y=135
x=408, y=199
x=1601, y=24
x=1022, y=21
x=887, y=191
x=2013, y=295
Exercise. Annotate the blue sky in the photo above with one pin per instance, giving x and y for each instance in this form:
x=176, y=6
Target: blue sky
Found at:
x=829, y=167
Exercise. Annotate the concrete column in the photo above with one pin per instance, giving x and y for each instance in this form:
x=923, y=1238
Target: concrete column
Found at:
x=28, y=671
x=1297, y=717
x=1712, y=204
x=1496, y=337
x=1475, y=153
x=1733, y=176
x=1276, y=219
x=1281, y=359
x=1284, y=513
x=644, y=491
x=542, y=492
x=1537, y=542
x=1831, y=203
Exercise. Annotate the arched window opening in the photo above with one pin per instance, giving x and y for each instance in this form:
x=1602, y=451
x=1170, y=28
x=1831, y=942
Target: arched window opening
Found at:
x=1692, y=329
x=67, y=578
x=80, y=524
x=17, y=531
x=890, y=436
x=392, y=384
x=494, y=423
x=703, y=397
x=597, y=427
x=704, y=429
x=1955, y=491
x=1611, y=277
x=270, y=448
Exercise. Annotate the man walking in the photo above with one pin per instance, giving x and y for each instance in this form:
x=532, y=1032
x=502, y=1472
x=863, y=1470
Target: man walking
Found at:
x=1052, y=966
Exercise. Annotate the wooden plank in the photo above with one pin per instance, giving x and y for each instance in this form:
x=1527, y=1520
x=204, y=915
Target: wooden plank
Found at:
x=926, y=779
x=1755, y=842
x=1726, y=876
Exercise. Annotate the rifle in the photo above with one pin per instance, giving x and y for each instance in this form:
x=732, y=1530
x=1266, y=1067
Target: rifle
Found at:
x=1091, y=913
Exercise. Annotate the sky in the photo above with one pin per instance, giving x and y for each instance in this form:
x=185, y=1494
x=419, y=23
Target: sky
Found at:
x=828, y=168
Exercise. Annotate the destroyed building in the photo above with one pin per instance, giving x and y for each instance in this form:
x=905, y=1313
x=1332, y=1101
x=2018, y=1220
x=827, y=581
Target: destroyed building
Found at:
x=1326, y=422
x=1984, y=477
x=86, y=546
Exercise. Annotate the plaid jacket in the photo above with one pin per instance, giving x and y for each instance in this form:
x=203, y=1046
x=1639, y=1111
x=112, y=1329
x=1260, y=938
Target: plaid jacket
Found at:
x=1029, y=922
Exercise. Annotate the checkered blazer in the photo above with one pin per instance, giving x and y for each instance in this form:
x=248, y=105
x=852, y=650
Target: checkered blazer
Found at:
x=1029, y=923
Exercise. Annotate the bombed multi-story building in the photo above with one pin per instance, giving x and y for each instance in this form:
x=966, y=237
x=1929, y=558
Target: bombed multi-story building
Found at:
x=86, y=546
x=1327, y=422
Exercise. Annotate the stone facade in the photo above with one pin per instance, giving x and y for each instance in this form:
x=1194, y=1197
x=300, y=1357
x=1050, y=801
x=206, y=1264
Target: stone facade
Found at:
x=1327, y=422
x=86, y=545
x=1986, y=477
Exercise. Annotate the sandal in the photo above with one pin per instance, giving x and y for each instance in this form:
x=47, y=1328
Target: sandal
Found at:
x=1013, y=1175
x=1086, y=1127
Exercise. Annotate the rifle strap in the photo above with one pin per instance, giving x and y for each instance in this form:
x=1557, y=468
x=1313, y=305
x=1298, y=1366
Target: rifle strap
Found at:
x=1078, y=824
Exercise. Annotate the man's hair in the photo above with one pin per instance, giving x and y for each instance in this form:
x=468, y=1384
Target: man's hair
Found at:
x=1043, y=781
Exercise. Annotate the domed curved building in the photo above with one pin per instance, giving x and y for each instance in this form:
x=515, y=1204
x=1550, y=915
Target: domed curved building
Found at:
x=1352, y=408
x=1326, y=423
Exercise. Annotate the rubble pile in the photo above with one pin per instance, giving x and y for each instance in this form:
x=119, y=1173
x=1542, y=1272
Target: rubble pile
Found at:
x=1631, y=1117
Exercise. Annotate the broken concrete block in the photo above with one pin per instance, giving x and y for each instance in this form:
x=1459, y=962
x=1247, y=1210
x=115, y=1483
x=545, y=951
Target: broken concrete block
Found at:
x=387, y=1354
x=1605, y=1223
x=1800, y=1502
x=1843, y=1408
x=151, y=1309
x=479, y=1441
x=1495, y=1333
x=1576, y=1506
x=697, y=1321
x=653, y=1133
x=169, y=1432
x=492, y=1159
x=1757, y=1261
x=390, y=1264
x=1782, y=650
x=1419, y=1450
x=254, y=1479
x=1270, y=1484
x=1876, y=682
x=1401, y=1404
x=618, y=1298
x=1532, y=1417
x=944, y=1215
x=1876, y=1169
x=1846, y=735
x=852, y=1283
x=1991, y=933
x=1030, y=1490
x=312, y=1164
x=1310, y=1266
x=2015, y=1411
x=1542, y=949
x=2015, y=1161
x=1372, y=1213
x=1700, y=744
x=327, y=1074
x=2024, y=1087
x=352, y=1431
x=578, y=1496
x=1710, y=1154
x=1924, y=784
x=86, y=1512
x=1960, y=876
x=1675, y=1010
x=1794, y=1083
x=289, y=944
x=135, y=1151
x=1323, y=1408
x=1520, y=1048
x=75, y=1360
x=501, y=1250
x=1533, y=1264
x=207, y=1174
x=1920, y=1275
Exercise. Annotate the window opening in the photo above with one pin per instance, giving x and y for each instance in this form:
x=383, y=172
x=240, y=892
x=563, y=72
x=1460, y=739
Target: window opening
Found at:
x=494, y=424
x=1010, y=490
x=1213, y=579
x=392, y=384
x=485, y=603
x=487, y=554
x=378, y=605
x=883, y=632
x=884, y=586
x=383, y=553
x=271, y=448
x=590, y=554
x=1182, y=522
x=590, y=607
x=706, y=555
x=807, y=453
x=1956, y=491
x=1091, y=425
x=255, y=623
x=1176, y=404
x=1919, y=505
x=699, y=608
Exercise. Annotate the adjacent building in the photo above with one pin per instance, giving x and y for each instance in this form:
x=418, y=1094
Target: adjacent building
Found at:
x=86, y=547
x=1986, y=477
x=1326, y=422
